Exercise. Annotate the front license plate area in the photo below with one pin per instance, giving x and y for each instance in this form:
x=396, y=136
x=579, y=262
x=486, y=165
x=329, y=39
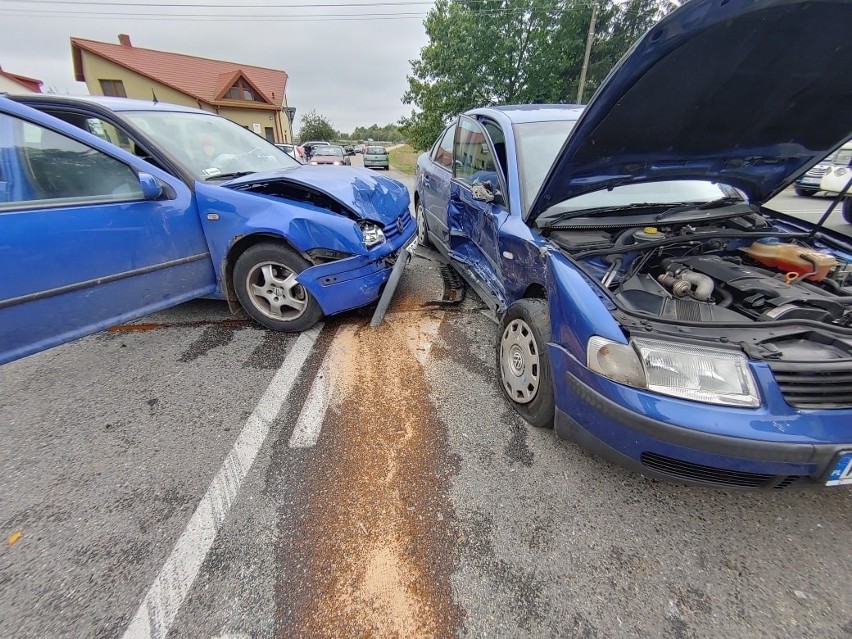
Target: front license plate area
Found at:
x=841, y=470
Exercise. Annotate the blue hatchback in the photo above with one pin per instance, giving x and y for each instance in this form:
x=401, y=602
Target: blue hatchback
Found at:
x=650, y=306
x=117, y=208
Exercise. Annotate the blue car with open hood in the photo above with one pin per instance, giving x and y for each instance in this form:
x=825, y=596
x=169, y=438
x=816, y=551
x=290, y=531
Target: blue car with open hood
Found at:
x=652, y=308
x=113, y=208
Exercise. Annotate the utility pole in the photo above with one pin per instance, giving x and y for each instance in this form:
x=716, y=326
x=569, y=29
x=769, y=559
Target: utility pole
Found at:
x=589, y=39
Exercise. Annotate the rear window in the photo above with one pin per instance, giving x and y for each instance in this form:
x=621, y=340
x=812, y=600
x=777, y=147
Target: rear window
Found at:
x=376, y=150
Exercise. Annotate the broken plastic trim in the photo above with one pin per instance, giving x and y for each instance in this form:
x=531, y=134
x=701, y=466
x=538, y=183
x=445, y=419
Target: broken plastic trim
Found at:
x=402, y=260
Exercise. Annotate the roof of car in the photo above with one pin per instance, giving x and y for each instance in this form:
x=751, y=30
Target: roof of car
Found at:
x=520, y=113
x=114, y=104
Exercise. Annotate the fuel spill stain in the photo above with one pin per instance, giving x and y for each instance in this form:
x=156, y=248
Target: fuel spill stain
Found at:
x=374, y=551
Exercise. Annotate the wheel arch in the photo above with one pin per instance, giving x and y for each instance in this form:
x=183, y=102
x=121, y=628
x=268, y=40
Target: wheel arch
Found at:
x=535, y=291
x=240, y=246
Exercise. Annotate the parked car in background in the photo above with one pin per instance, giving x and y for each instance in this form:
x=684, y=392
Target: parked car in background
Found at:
x=359, y=148
x=376, y=157
x=807, y=184
x=650, y=306
x=179, y=204
x=293, y=150
x=330, y=155
x=837, y=176
x=309, y=147
x=349, y=150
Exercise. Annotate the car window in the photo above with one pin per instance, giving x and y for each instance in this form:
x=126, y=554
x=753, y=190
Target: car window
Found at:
x=538, y=143
x=843, y=157
x=376, y=150
x=207, y=146
x=498, y=141
x=328, y=150
x=474, y=161
x=443, y=153
x=107, y=131
x=55, y=169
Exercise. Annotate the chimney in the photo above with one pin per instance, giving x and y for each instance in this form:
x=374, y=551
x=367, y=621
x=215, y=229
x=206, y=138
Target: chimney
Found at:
x=124, y=40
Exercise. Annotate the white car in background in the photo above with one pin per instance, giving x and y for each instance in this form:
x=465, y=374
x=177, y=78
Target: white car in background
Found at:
x=836, y=178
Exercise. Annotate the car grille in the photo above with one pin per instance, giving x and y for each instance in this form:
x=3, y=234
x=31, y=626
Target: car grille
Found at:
x=398, y=226
x=688, y=471
x=826, y=384
x=817, y=171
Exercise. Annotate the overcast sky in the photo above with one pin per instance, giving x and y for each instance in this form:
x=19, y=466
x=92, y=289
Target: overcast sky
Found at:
x=350, y=71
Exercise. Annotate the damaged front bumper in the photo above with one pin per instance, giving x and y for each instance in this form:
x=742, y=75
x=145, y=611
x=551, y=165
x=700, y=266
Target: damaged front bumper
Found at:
x=357, y=281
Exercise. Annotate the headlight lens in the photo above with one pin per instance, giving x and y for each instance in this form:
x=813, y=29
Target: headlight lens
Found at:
x=701, y=374
x=337, y=164
x=372, y=234
x=314, y=163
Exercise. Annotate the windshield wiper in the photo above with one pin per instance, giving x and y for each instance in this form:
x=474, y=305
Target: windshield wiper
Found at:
x=698, y=206
x=228, y=176
x=570, y=215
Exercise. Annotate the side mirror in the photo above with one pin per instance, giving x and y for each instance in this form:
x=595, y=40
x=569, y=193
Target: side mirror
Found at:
x=151, y=188
x=481, y=192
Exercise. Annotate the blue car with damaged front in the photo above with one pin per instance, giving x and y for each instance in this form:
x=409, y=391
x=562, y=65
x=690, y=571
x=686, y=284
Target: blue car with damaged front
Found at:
x=651, y=307
x=112, y=208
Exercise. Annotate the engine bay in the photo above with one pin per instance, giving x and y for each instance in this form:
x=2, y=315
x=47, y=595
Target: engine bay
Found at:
x=735, y=270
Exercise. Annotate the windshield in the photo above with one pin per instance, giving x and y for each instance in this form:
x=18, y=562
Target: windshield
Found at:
x=376, y=150
x=328, y=150
x=665, y=192
x=538, y=143
x=208, y=146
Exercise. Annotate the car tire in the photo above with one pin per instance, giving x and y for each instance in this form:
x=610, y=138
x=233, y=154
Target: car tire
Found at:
x=846, y=209
x=804, y=192
x=523, y=362
x=422, y=226
x=264, y=281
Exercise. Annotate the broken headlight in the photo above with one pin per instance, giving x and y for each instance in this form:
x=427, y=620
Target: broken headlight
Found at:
x=372, y=233
x=698, y=373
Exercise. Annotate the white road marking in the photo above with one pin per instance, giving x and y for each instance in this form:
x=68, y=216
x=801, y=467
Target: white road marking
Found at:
x=308, y=426
x=163, y=600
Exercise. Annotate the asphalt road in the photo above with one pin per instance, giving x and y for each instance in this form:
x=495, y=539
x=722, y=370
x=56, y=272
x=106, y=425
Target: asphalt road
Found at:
x=192, y=475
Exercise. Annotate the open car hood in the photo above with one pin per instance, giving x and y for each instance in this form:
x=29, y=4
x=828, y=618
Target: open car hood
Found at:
x=369, y=196
x=747, y=92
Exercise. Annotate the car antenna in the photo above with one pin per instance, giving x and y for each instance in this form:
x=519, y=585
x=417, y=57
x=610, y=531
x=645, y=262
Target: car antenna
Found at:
x=156, y=101
x=831, y=208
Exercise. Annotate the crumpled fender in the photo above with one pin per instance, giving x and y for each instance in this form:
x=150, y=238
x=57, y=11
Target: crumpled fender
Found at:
x=302, y=225
x=578, y=308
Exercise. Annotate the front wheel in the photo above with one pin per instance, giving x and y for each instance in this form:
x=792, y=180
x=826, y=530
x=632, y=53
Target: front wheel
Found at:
x=267, y=288
x=804, y=192
x=422, y=228
x=523, y=361
x=847, y=209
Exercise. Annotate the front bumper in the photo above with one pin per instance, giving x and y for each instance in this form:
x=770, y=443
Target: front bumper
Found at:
x=357, y=281
x=665, y=440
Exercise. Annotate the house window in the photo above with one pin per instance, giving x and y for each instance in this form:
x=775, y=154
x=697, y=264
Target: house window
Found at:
x=114, y=88
x=243, y=91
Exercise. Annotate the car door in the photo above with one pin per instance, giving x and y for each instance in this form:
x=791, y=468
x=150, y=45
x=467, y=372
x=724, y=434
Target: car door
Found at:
x=435, y=186
x=90, y=236
x=474, y=222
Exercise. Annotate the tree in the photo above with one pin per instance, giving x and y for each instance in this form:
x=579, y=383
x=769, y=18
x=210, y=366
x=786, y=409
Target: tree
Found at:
x=487, y=52
x=316, y=127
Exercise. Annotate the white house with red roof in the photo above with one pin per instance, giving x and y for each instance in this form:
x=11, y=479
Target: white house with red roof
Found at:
x=14, y=83
x=254, y=97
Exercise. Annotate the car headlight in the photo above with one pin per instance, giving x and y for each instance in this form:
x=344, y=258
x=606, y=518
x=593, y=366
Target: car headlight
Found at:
x=372, y=234
x=840, y=172
x=314, y=163
x=336, y=163
x=698, y=373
